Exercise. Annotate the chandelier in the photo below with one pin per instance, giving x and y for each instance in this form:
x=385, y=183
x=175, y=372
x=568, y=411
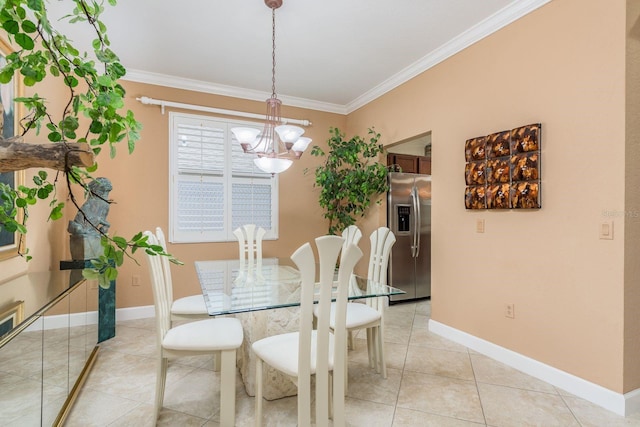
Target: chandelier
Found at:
x=277, y=144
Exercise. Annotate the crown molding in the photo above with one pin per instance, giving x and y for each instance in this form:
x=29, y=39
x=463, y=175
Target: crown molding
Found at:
x=493, y=23
x=232, y=91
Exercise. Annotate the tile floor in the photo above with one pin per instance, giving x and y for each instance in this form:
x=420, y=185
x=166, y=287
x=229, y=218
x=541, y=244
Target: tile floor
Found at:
x=431, y=382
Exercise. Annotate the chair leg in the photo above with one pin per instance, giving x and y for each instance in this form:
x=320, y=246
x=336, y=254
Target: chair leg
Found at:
x=331, y=378
x=227, y=387
x=216, y=362
x=371, y=347
x=258, y=397
x=336, y=403
x=346, y=376
x=352, y=343
x=161, y=379
x=376, y=348
x=381, y=358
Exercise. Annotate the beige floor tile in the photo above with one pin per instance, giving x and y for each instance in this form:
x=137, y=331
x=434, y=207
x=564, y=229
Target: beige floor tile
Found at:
x=198, y=394
x=435, y=361
x=438, y=395
x=128, y=376
x=170, y=418
x=395, y=354
x=424, y=383
x=397, y=334
x=490, y=371
x=141, y=342
x=410, y=418
x=425, y=338
x=403, y=307
x=506, y=406
x=420, y=321
x=424, y=307
x=362, y=413
x=401, y=319
x=591, y=415
x=94, y=408
x=280, y=412
x=366, y=384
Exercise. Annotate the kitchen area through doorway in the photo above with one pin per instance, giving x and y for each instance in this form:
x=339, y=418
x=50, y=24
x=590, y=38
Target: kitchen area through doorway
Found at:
x=409, y=217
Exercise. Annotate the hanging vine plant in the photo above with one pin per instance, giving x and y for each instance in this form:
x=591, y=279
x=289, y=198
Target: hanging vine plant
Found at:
x=92, y=119
x=350, y=178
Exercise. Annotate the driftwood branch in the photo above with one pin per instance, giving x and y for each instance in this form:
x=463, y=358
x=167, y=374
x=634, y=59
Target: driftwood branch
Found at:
x=17, y=155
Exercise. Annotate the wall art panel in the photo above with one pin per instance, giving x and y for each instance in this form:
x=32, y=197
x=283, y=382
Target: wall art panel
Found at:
x=502, y=170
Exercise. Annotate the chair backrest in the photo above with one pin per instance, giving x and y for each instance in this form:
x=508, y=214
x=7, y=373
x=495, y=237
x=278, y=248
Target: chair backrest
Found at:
x=249, y=242
x=351, y=234
x=328, y=250
x=166, y=265
x=161, y=299
x=382, y=241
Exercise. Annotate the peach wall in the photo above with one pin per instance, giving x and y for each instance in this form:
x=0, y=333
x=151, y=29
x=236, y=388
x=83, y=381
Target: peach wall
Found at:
x=632, y=222
x=567, y=284
x=140, y=194
x=141, y=182
x=568, y=287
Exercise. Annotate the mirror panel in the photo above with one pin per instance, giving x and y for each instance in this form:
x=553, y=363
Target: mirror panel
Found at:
x=43, y=355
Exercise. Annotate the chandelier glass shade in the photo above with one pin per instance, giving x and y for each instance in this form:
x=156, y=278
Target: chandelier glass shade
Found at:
x=278, y=144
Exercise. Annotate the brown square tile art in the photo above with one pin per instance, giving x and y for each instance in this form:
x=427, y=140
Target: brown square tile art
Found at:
x=502, y=170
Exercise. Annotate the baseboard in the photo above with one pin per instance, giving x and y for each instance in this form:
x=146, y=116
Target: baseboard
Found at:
x=89, y=318
x=133, y=313
x=621, y=404
x=64, y=321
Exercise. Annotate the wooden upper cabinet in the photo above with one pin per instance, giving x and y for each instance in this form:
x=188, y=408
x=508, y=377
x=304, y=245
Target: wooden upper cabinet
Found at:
x=424, y=165
x=409, y=164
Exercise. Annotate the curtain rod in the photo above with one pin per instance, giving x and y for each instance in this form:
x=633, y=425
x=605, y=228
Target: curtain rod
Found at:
x=150, y=101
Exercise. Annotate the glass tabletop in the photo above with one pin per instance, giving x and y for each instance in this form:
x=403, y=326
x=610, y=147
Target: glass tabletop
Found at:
x=231, y=286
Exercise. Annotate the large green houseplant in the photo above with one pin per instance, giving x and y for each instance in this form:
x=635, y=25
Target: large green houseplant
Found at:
x=92, y=113
x=350, y=178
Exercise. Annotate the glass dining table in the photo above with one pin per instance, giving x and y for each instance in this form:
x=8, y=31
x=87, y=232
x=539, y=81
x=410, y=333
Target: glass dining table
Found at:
x=265, y=295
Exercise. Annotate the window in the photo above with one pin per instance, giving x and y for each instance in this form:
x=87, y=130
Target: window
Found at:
x=214, y=186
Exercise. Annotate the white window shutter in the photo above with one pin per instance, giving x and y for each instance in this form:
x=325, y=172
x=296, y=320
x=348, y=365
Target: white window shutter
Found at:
x=215, y=187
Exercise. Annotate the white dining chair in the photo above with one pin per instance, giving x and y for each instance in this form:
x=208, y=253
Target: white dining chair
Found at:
x=351, y=235
x=220, y=336
x=370, y=314
x=249, y=242
x=191, y=307
x=314, y=352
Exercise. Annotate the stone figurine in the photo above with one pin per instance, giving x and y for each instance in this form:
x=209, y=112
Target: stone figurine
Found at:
x=85, y=228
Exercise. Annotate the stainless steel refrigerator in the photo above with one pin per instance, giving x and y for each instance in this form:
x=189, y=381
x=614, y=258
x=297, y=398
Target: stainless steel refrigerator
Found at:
x=409, y=217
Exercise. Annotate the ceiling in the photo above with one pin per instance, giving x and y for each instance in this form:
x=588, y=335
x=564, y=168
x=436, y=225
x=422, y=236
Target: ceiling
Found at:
x=331, y=55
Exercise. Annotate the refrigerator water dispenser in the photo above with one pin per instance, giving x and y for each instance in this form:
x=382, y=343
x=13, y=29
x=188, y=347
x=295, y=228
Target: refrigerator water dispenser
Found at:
x=404, y=219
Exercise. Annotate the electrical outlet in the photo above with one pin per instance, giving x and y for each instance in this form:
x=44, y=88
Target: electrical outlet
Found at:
x=509, y=310
x=135, y=280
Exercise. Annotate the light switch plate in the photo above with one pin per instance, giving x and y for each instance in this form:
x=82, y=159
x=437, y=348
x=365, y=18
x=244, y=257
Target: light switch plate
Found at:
x=480, y=226
x=606, y=230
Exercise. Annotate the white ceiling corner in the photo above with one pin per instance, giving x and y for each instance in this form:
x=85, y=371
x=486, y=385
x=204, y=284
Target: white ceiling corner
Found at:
x=332, y=56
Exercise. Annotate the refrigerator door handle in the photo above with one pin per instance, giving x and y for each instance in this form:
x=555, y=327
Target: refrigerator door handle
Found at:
x=416, y=226
x=413, y=226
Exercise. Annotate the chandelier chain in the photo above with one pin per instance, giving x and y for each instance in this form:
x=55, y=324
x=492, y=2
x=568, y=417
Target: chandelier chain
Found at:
x=273, y=52
x=278, y=144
